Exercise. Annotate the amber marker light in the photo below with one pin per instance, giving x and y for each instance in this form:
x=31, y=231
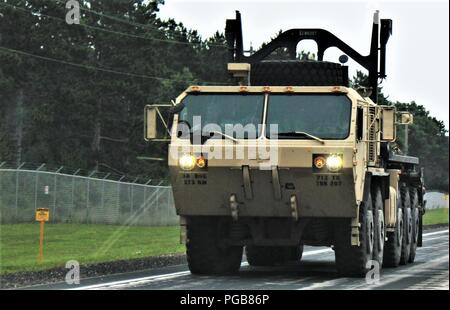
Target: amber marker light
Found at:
x=201, y=162
x=319, y=162
x=289, y=89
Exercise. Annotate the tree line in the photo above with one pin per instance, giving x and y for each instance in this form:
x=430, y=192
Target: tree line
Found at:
x=73, y=95
x=82, y=104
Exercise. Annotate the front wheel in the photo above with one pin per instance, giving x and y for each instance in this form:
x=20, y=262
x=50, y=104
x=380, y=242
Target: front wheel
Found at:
x=205, y=252
x=352, y=260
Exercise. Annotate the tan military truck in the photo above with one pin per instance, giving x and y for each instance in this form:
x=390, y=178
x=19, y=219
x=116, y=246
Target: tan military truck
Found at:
x=291, y=156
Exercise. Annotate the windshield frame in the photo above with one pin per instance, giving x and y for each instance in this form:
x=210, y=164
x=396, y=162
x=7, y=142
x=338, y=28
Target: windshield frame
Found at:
x=260, y=126
x=349, y=128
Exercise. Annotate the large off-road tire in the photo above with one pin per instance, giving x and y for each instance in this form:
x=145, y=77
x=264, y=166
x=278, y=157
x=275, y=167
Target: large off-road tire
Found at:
x=393, y=244
x=299, y=73
x=205, y=252
x=415, y=216
x=407, y=225
x=272, y=255
x=380, y=230
x=352, y=260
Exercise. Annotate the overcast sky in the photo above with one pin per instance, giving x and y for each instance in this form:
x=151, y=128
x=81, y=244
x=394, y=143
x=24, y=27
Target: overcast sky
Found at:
x=417, y=52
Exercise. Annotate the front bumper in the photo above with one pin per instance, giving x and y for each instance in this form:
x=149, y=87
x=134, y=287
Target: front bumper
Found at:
x=259, y=194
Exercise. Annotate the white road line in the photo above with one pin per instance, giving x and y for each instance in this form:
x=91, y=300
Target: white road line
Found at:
x=144, y=280
x=314, y=252
x=136, y=280
x=436, y=233
x=434, y=238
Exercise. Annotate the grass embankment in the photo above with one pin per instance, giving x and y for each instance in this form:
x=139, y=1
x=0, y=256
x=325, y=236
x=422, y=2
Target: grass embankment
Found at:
x=19, y=244
x=436, y=216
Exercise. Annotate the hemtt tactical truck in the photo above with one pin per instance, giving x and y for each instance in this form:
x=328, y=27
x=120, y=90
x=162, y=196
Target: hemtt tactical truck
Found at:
x=313, y=165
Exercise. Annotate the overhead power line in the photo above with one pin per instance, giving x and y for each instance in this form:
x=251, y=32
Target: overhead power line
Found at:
x=170, y=41
x=80, y=65
x=89, y=67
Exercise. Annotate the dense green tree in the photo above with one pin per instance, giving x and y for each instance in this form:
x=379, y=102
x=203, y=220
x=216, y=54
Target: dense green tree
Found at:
x=427, y=137
x=79, y=115
x=73, y=95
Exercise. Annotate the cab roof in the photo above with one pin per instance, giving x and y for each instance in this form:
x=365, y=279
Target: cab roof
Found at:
x=267, y=89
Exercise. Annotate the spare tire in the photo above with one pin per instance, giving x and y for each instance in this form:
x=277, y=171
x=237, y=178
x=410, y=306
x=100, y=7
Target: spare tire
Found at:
x=298, y=73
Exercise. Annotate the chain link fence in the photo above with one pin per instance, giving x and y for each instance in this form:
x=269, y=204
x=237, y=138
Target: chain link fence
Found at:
x=86, y=199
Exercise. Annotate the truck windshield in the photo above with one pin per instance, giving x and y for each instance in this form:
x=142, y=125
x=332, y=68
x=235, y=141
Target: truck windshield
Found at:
x=300, y=116
x=236, y=115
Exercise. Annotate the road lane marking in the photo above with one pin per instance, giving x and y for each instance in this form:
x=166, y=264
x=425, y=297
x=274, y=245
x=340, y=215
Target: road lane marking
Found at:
x=314, y=252
x=150, y=278
x=435, y=238
x=144, y=280
x=436, y=233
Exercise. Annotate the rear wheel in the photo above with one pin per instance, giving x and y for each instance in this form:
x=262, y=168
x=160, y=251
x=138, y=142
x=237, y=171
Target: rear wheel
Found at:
x=407, y=225
x=205, y=252
x=380, y=232
x=272, y=255
x=415, y=223
x=353, y=260
x=393, y=244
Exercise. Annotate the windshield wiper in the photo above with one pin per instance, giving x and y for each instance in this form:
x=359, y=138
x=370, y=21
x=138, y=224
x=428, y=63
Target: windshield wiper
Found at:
x=300, y=133
x=225, y=136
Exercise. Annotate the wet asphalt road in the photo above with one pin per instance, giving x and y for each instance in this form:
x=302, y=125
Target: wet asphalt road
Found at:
x=316, y=271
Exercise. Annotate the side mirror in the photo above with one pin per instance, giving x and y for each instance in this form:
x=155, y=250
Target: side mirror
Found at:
x=150, y=130
x=406, y=118
x=388, y=124
x=151, y=114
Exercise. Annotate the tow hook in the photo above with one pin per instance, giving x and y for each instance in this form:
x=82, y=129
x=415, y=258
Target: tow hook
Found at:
x=294, y=207
x=234, y=207
x=355, y=232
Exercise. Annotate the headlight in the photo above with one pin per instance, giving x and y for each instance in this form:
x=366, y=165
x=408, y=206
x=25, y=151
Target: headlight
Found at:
x=187, y=162
x=334, y=163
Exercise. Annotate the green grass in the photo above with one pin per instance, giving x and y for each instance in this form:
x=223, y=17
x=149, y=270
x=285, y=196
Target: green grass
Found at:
x=19, y=244
x=436, y=216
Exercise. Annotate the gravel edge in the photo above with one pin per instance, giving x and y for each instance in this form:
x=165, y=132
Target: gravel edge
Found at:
x=22, y=279
x=54, y=275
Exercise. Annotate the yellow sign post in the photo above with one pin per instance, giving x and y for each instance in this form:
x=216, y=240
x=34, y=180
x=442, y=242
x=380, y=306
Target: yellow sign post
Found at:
x=42, y=216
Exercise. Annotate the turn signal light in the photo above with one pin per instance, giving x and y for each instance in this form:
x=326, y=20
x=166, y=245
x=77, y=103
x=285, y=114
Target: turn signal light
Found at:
x=201, y=162
x=319, y=162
